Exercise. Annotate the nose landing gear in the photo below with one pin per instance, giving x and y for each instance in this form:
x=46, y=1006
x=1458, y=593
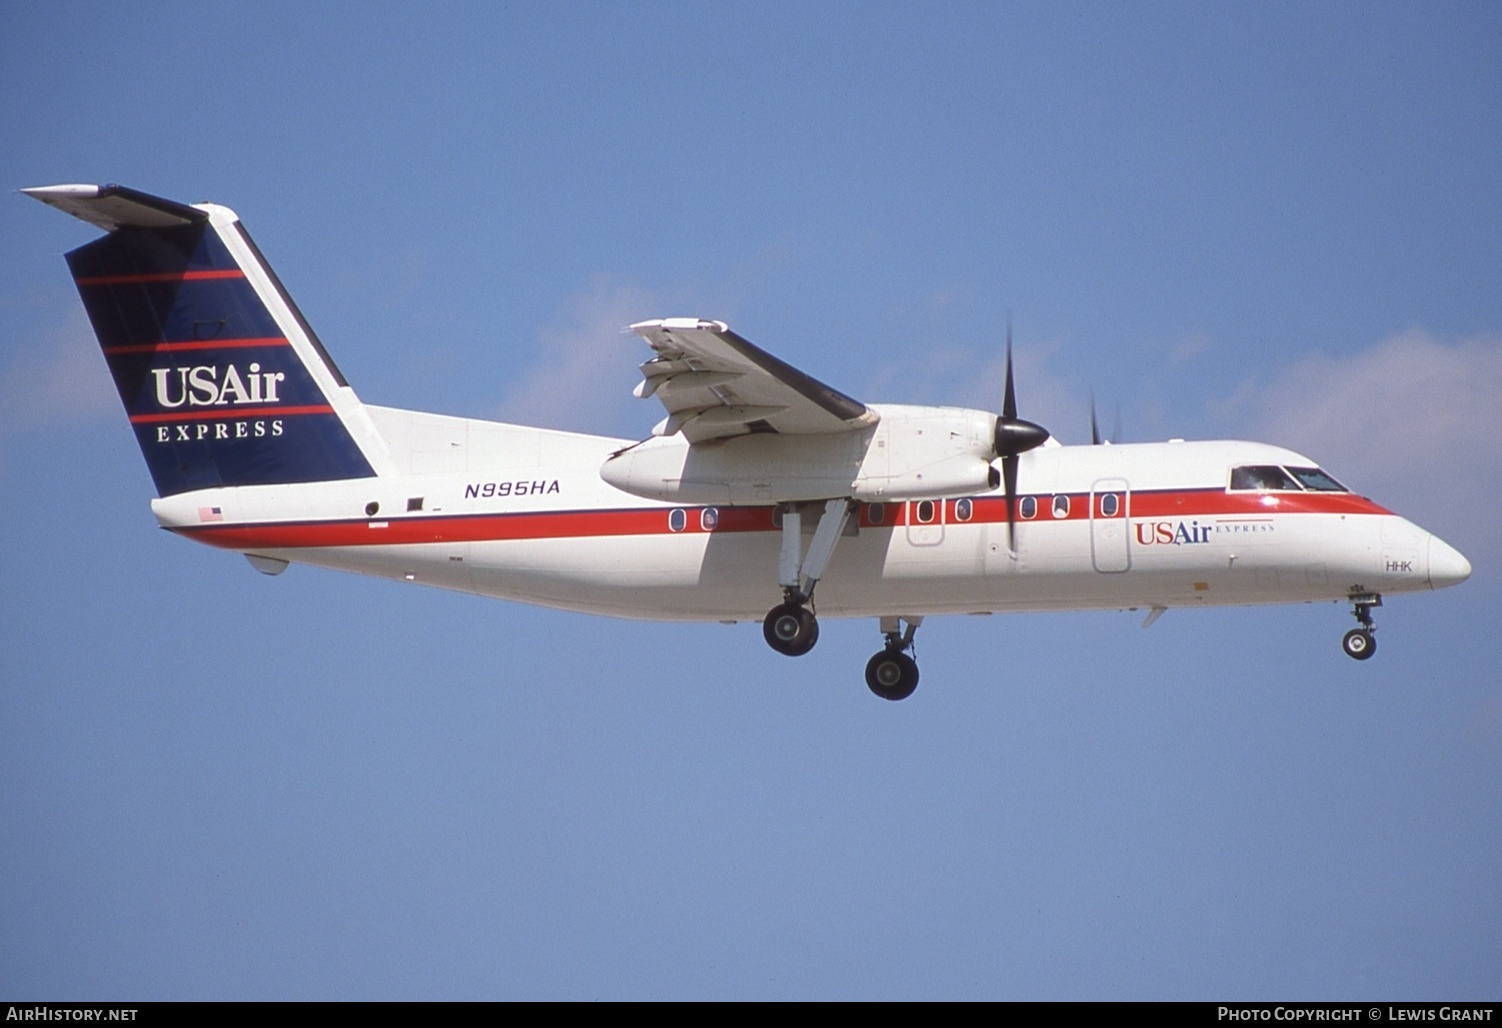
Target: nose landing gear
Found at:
x=1361, y=643
x=892, y=674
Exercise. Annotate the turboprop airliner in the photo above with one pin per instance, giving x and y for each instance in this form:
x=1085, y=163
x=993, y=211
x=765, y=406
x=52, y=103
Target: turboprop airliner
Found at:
x=760, y=488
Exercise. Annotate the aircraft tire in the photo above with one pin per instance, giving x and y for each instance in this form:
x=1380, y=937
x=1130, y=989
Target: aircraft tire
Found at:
x=1359, y=644
x=791, y=629
x=892, y=675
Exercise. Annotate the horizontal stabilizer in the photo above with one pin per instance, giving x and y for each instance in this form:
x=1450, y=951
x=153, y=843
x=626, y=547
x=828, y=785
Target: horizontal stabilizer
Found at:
x=111, y=207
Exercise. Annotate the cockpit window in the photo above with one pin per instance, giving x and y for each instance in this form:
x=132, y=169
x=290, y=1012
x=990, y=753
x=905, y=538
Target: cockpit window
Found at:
x=1263, y=478
x=1317, y=480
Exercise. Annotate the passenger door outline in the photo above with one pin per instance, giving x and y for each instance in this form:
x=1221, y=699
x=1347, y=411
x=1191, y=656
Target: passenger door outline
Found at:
x=1110, y=544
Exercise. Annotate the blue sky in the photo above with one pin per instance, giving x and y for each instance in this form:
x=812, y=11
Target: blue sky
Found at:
x=1267, y=221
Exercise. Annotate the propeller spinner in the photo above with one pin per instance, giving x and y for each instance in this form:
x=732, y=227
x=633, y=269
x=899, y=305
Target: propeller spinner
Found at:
x=1014, y=437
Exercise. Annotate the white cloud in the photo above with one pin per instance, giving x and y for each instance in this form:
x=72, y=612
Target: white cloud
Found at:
x=1413, y=422
x=1044, y=396
x=585, y=366
x=1189, y=347
x=60, y=377
x=962, y=376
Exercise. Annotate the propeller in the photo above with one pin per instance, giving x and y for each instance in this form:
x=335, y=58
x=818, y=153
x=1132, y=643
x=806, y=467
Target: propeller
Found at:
x=1014, y=437
x=1095, y=437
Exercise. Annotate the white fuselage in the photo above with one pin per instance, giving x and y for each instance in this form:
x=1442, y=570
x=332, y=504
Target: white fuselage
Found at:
x=524, y=514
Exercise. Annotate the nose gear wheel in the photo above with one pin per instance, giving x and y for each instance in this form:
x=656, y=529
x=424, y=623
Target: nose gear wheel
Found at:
x=892, y=674
x=1361, y=643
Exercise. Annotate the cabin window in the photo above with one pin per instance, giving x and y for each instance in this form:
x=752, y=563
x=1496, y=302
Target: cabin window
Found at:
x=1262, y=478
x=678, y=519
x=925, y=511
x=1316, y=480
x=1061, y=506
x=414, y=503
x=962, y=510
x=1109, y=505
x=1029, y=508
x=876, y=513
x=709, y=519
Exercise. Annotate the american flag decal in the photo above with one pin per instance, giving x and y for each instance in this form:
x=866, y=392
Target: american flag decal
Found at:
x=210, y=514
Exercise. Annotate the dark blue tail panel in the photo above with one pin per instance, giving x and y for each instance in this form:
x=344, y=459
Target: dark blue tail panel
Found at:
x=217, y=393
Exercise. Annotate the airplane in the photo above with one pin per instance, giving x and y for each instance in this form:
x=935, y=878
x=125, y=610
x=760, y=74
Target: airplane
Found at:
x=760, y=487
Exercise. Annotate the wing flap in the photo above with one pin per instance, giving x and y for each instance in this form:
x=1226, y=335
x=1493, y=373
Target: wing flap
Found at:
x=716, y=384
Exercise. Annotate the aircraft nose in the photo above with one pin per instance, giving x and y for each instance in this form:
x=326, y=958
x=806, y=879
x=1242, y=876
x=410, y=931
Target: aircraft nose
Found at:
x=1447, y=566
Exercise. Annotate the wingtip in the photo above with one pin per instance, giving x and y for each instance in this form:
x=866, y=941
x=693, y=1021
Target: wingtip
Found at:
x=76, y=190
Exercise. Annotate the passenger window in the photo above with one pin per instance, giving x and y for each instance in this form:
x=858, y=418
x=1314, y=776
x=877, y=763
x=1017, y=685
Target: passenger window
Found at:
x=709, y=519
x=678, y=519
x=1061, y=506
x=1109, y=505
x=962, y=510
x=925, y=511
x=1262, y=478
x=1028, y=508
x=876, y=513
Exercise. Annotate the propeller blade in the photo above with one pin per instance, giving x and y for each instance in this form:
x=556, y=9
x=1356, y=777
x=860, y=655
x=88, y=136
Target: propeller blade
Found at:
x=1094, y=426
x=1009, y=400
x=1014, y=437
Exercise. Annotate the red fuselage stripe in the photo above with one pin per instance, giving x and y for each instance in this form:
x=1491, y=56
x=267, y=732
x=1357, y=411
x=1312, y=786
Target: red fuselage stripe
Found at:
x=160, y=276
x=199, y=344
x=1169, y=503
x=199, y=414
x=575, y=524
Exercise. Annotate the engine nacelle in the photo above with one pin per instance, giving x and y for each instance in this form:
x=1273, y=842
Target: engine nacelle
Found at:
x=911, y=453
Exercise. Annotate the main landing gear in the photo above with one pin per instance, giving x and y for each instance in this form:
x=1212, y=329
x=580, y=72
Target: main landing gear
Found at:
x=892, y=674
x=1360, y=643
x=790, y=627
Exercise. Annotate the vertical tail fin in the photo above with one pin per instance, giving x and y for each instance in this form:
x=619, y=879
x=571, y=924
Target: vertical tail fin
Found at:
x=223, y=380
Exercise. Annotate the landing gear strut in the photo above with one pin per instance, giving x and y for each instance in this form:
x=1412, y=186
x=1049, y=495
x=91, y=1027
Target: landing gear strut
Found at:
x=1360, y=643
x=790, y=627
x=892, y=674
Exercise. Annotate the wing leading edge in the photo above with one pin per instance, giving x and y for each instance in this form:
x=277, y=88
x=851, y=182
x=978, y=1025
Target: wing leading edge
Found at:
x=715, y=385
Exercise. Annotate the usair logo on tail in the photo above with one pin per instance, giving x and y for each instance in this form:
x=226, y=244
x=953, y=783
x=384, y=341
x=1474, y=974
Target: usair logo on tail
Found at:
x=202, y=386
x=220, y=374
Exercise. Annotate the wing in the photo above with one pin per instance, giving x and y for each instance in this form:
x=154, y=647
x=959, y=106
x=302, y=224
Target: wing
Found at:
x=715, y=384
